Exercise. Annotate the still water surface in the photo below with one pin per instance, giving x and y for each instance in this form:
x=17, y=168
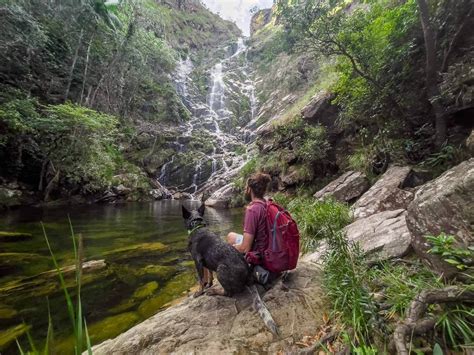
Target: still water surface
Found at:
x=146, y=266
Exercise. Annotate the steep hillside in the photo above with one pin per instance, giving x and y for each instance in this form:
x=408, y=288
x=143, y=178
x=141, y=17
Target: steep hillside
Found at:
x=344, y=86
x=87, y=92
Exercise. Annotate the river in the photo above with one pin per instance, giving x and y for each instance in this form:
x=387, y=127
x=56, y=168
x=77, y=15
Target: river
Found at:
x=146, y=267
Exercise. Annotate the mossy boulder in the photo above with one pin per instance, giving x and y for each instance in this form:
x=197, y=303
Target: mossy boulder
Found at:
x=130, y=275
x=146, y=290
x=6, y=312
x=47, y=283
x=112, y=326
x=102, y=330
x=8, y=336
x=27, y=263
x=179, y=285
x=135, y=251
x=14, y=236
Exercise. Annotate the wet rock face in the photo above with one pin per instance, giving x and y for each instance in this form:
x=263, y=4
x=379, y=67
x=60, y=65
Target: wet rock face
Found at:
x=444, y=205
x=222, y=197
x=382, y=236
x=216, y=325
x=346, y=188
x=386, y=194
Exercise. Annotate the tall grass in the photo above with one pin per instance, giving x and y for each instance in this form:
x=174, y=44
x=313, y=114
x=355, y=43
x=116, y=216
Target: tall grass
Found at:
x=75, y=313
x=317, y=220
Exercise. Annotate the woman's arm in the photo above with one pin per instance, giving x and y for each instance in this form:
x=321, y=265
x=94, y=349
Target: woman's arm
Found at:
x=246, y=244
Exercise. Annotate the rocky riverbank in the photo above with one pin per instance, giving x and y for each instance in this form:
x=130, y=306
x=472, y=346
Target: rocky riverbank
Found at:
x=390, y=220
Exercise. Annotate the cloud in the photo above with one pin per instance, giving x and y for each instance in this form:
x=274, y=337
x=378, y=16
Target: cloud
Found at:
x=237, y=10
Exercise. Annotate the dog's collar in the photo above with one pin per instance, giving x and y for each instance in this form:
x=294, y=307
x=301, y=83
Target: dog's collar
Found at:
x=196, y=227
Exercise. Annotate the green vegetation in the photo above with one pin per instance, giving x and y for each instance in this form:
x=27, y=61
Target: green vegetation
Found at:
x=444, y=245
x=317, y=220
x=372, y=57
x=78, y=321
x=72, y=114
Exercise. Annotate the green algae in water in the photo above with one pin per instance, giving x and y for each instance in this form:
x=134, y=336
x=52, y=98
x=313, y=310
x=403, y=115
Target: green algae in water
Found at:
x=124, y=233
x=176, y=287
x=7, y=312
x=8, y=336
x=14, y=236
x=146, y=290
x=105, y=329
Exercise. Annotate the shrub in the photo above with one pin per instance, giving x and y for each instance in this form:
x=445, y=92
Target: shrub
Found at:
x=317, y=220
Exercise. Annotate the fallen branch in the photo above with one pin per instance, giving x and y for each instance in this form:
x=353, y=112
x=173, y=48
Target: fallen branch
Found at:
x=312, y=349
x=414, y=323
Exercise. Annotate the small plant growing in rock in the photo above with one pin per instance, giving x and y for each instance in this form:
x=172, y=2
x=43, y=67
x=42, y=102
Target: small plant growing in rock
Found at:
x=443, y=245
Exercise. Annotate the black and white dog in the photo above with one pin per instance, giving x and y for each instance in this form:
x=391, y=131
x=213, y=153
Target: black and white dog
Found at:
x=211, y=254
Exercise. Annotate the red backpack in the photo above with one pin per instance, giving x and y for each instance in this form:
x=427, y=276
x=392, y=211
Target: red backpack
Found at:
x=283, y=246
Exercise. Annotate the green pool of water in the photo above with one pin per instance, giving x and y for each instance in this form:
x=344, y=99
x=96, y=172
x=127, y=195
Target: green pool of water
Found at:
x=147, y=265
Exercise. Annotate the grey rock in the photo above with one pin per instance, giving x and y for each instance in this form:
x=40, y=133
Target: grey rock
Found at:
x=224, y=325
x=320, y=109
x=386, y=194
x=346, y=188
x=445, y=204
x=381, y=236
x=222, y=197
x=122, y=190
x=10, y=197
x=470, y=143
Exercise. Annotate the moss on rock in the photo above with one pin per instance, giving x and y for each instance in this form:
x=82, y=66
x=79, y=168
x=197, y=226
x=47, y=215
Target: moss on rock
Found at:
x=135, y=251
x=6, y=312
x=9, y=335
x=14, y=236
x=130, y=275
x=146, y=290
x=177, y=286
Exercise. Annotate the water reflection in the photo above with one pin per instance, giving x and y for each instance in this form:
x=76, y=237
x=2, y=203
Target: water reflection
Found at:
x=110, y=232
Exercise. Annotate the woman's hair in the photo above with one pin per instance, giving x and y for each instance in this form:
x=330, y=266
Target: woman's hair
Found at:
x=258, y=183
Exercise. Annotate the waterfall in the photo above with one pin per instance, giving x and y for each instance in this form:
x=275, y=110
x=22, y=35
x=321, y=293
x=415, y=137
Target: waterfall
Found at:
x=229, y=78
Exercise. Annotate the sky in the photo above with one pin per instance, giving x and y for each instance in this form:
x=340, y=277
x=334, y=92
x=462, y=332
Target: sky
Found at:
x=237, y=10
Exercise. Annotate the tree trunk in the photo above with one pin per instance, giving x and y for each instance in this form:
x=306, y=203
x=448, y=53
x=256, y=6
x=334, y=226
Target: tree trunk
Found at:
x=432, y=73
x=73, y=66
x=50, y=186
x=84, y=79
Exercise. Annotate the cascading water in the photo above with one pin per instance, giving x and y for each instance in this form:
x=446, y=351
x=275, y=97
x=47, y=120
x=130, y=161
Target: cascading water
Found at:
x=229, y=79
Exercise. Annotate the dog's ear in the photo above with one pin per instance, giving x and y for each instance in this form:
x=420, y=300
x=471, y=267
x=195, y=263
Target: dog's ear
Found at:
x=186, y=213
x=201, y=210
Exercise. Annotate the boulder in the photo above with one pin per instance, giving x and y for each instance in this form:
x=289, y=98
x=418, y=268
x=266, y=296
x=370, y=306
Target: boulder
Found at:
x=381, y=236
x=386, y=194
x=260, y=19
x=320, y=109
x=444, y=205
x=122, y=190
x=10, y=197
x=182, y=196
x=346, y=188
x=222, y=197
x=160, y=192
x=223, y=325
x=470, y=143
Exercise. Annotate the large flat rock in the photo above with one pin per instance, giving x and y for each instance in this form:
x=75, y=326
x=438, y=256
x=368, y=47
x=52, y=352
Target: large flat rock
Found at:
x=381, y=236
x=444, y=205
x=223, y=325
x=345, y=188
x=386, y=194
x=222, y=197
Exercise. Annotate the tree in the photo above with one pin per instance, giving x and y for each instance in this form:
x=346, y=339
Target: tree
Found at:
x=434, y=65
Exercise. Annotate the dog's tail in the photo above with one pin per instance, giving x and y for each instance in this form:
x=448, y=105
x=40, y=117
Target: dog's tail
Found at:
x=263, y=311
